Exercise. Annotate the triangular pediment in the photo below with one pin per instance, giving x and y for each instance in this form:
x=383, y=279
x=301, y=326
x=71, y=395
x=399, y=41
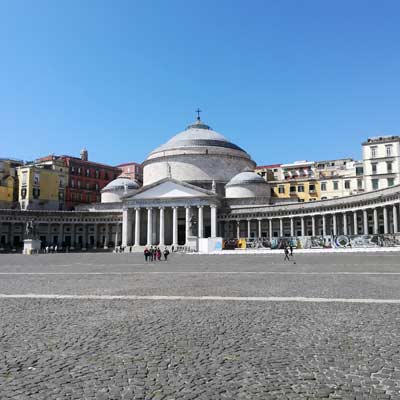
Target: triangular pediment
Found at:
x=170, y=189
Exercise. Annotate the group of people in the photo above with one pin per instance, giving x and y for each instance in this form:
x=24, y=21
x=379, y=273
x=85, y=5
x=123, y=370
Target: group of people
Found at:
x=51, y=249
x=154, y=254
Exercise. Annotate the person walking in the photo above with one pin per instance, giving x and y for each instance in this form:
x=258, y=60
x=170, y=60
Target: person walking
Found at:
x=166, y=254
x=291, y=249
x=286, y=254
x=146, y=254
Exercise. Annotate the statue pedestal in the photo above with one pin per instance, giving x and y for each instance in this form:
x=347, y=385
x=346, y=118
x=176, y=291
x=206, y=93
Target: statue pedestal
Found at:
x=31, y=246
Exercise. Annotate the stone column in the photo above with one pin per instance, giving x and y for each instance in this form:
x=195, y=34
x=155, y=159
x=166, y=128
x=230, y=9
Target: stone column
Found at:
x=248, y=228
x=117, y=233
x=106, y=235
x=200, y=225
x=187, y=222
x=84, y=236
x=324, y=225
x=375, y=221
x=313, y=225
x=344, y=223
x=291, y=227
x=175, y=226
x=149, y=226
x=137, y=226
x=162, y=227
x=259, y=227
x=355, y=223
x=95, y=233
x=61, y=235
x=126, y=227
x=281, y=227
x=213, y=221
x=238, y=229
x=48, y=236
x=303, y=230
x=385, y=221
x=395, y=220
x=270, y=228
x=334, y=224
x=365, y=221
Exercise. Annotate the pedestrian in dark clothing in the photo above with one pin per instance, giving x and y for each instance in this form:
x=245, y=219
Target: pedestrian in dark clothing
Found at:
x=291, y=249
x=166, y=253
x=146, y=254
x=286, y=254
x=158, y=254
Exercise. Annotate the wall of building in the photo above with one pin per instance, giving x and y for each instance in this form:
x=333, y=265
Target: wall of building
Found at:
x=304, y=190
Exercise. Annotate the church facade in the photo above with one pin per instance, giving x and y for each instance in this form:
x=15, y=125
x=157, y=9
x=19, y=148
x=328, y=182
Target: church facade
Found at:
x=200, y=185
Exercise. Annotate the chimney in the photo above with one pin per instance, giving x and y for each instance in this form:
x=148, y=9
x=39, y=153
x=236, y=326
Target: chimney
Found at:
x=84, y=154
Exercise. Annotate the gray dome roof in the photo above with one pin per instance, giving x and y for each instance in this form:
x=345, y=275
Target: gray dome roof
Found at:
x=246, y=177
x=197, y=135
x=120, y=184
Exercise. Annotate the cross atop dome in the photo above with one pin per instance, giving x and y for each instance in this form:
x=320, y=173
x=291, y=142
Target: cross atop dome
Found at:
x=198, y=113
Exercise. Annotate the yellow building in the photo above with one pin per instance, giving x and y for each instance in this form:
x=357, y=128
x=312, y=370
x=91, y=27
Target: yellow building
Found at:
x=8, y=183
x=42, y=186
x=301, y=190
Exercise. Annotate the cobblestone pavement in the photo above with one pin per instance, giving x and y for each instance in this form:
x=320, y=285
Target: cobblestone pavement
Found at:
x=184, y=349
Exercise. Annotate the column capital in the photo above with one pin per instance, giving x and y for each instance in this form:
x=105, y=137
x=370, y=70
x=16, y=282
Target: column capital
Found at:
x=149, y=208
x=200, y=206
x=137, y=208
x=161, y=208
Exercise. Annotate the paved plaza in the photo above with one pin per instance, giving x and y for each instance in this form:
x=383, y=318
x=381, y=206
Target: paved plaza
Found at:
x=109, y=326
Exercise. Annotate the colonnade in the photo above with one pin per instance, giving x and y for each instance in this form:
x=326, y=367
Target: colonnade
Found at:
x=141, y=220
x=373, y=220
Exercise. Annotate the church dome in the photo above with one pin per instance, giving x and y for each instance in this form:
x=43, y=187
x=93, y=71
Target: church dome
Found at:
x=197, y=134
x=116, y=189
x=199, y=156
x=246, y=177
x=247, y=184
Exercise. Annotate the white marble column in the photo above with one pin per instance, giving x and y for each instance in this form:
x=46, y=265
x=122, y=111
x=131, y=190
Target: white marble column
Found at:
x=355, y=223
x=324, y=225
x=200, y=225
x=61, y=235
x=106, y=235
x=213, y=221
x=248, y=228
x=385, y=221
x=375, y=221
x=334, y=224
x=187, y=222
x=175, y=226
x=281, y=227
x=84, y=236
x=95, y=234
x=291, y=227
x=137, y=226
x=395, y=220
x=365, y=221
x=162, y=226
x=344, y=223
x=126, y=227
x=259, y=227
x=303, y=229
x=149, y=226
x=270, y=228
x=238, y=229
x=313, y=225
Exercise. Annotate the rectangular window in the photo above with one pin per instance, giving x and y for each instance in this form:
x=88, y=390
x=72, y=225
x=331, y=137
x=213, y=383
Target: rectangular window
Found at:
x=300, y=188
x=79, y=184
x=323, y=186
x=347, y=184
x=292, y=189
x=389, y=150
x=72, y=169
x=96, y=186
x=311, y=188
x=375, y=184
x=335, y=185
x=281, y=189
x=390, y=181
x=106, y=176
x=359, y=170
x=88, y=172
x=97, y=174
x=374, y=167
x=373, y=151
x=24, y=177
x=359, y=184
x=72, y=183
x=389, y=167
x=87, y=185
x=79, y=171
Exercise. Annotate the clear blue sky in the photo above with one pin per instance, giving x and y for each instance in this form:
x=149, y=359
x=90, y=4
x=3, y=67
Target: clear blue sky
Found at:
x=285, y=80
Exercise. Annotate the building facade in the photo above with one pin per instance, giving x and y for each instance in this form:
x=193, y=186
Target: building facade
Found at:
x=200, y=185
x=9, y=182
x=132, y=170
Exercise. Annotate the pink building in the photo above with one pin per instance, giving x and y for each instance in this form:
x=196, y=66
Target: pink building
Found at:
x=133, y=170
